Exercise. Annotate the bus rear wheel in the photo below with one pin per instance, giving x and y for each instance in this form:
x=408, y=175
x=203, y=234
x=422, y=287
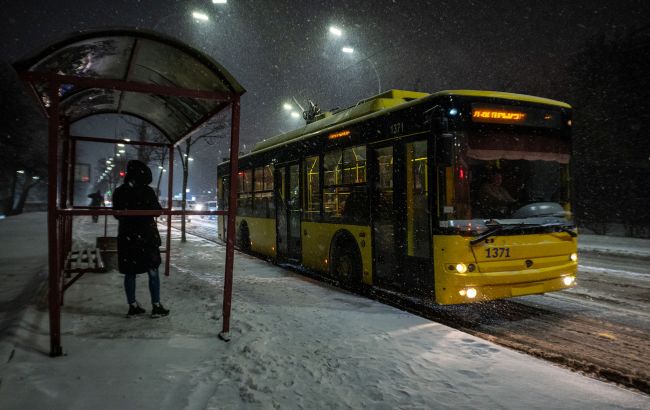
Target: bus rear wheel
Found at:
x=346, y=265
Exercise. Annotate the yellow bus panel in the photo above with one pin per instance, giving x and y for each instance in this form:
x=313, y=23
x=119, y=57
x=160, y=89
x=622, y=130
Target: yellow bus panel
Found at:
x=317, y=239
x=505, y=266
x=262, y=234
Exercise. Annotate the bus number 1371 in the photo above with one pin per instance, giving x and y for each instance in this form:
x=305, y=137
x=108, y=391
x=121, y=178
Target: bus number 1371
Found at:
x=497, y=252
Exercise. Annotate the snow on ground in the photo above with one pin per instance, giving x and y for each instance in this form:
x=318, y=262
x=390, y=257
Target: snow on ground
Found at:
x=610, y=245
x=296, y=344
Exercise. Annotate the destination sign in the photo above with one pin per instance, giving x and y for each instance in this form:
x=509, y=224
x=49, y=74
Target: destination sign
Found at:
x=504, y=114
x=339, y=134
x=490, y=115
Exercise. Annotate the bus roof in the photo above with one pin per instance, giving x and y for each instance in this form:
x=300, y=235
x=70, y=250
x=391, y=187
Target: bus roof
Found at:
x=507, y=96
x=370, y=105
x=381, y=104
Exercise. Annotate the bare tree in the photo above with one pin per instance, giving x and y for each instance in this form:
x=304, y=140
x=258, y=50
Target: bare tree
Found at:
x=23, y=142
x=209, y=134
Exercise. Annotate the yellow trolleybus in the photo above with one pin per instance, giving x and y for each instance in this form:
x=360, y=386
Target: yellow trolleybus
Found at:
x=461, y=195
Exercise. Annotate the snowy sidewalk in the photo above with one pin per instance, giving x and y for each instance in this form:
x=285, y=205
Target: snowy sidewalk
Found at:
x=23, y=265
x=296, y=344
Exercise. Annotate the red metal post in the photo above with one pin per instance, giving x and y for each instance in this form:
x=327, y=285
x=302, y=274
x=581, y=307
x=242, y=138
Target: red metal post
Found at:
x=232, y=211
x=65, y=164
x=170, y=188
x=52, y=237
x=66, y=189
x=73, y=167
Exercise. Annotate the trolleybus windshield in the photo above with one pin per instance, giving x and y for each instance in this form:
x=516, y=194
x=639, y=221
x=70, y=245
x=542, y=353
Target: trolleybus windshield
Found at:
x=507, y=177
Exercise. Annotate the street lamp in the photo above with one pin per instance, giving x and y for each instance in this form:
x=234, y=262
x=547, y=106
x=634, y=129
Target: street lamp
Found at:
x=350, y=50
x=336, y=31
x=200, y=16
x=292, y=110
x=197, y=15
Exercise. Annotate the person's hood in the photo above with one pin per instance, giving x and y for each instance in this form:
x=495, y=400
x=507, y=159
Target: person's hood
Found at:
x=138, y=172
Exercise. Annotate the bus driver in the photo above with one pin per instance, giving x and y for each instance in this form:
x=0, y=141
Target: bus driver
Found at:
x=495, y=199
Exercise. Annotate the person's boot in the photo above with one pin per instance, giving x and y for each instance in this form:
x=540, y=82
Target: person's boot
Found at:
x=135, y=309
x=159, y=311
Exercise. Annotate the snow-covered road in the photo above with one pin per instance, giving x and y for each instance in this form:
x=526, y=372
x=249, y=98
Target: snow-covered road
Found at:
x=297, y=343
x=600, y=327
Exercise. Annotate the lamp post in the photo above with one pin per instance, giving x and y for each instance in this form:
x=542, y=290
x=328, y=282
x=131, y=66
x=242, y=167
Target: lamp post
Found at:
x=350, y=50
x=196, y=15
x=338, y=33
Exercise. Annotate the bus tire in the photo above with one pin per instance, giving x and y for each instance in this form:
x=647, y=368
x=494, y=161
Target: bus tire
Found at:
x=346, y=265
x=243, y=237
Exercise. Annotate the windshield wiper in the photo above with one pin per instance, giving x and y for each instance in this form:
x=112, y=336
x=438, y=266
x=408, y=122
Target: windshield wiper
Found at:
x=496, y=227
x=562, y=227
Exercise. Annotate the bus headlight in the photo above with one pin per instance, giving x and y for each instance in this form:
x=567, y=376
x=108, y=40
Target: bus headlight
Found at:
x=568, y=280
x=461, y=268
x=469, y=292
x=574, y=257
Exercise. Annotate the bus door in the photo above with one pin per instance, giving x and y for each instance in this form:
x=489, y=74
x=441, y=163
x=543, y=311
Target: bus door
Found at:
x=288, y=211
x=414, y=234
x=383, y=215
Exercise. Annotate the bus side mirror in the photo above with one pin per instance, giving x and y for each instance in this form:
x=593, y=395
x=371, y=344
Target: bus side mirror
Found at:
x=445, y=149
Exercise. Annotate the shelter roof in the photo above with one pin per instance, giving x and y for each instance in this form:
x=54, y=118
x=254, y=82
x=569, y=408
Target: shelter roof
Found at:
x=163, y=81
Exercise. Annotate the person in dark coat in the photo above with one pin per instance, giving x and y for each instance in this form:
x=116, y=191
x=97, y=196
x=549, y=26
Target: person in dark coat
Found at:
x=138, y=240
x=96, y=200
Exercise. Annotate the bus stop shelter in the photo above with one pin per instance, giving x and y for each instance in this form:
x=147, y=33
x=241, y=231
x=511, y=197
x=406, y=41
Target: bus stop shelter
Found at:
x=143, y=74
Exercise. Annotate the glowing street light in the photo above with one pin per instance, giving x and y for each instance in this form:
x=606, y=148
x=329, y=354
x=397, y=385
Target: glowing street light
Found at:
x=219, y=1
x=347, y=50
x=336, y=31
x=200, y=16
x=294, y=114
x=287, y=106
x=121, y=151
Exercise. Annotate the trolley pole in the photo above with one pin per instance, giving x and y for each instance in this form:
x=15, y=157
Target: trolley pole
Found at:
x=232, y=211
x=52, y=237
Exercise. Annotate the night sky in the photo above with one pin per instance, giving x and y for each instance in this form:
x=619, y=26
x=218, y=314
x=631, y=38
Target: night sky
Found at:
x=282, y=49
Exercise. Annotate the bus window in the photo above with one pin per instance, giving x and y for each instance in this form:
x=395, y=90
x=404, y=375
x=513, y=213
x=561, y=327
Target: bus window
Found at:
x=224, y=192
x=244, y=195
x=268, y=186
x=345, y=194
x=268, y=178
x=259, y=179
x=263, y=192
x=312, y=188
x=417, y=191
x=332, y=168
x=354, y=165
